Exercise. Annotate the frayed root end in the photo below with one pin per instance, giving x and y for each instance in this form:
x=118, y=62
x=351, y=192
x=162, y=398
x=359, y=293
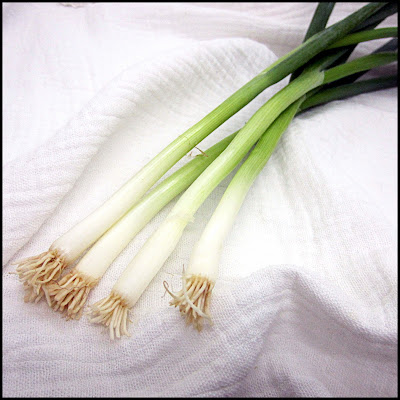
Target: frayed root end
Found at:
x=69, y=294
x=111, y=312
x=193, y=300
x=37, y=271
x=33, y=294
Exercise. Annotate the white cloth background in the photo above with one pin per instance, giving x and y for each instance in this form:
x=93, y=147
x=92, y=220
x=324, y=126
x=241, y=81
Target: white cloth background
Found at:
x=306, y=301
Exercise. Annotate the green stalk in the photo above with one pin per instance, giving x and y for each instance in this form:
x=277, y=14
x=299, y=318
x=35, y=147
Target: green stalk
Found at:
x=248, y=135
x=360, y=64
x=370, y=23
x=365, y=36
x=317, y=24
x=273, y=74
x=389, y=46
x=318, y=42
x=376, y=18
x=349, y=90
x=320, y=18
x=260, y=155
x=266, y=145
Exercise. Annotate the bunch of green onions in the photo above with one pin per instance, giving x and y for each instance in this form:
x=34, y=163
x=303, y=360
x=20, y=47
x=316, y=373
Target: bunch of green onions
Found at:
x=320, y=73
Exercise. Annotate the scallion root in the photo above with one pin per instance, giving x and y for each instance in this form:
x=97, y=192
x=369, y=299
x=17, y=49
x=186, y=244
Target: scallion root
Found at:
x=194, y=299
x=36, y=272
x=32, y=295
x=112, y=312
x=69, y=295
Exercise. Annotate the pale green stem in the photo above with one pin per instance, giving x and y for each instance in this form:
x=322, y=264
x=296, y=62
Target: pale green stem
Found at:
x=360, y=64
x=364, y=36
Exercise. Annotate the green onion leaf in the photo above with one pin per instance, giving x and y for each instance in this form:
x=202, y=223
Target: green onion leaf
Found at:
x=360, y=64
x=365, y=36
x=349, y=90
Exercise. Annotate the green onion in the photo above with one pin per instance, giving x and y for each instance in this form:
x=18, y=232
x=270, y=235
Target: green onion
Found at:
x=38, y=271
x=70, y=293
x=313, y=65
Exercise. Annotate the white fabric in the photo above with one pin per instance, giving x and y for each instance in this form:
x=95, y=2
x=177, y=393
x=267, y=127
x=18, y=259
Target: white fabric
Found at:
x=306, y=301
